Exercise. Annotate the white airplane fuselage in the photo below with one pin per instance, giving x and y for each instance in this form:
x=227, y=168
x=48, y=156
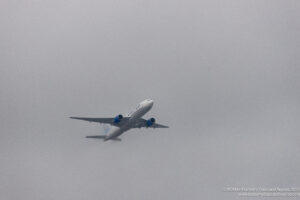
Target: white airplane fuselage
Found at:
x=140, y=111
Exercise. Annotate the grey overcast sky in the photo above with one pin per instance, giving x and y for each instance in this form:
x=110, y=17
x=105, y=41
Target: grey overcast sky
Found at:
x=224, y=76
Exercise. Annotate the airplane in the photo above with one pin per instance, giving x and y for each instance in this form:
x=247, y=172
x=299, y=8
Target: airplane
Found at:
x=122, y=124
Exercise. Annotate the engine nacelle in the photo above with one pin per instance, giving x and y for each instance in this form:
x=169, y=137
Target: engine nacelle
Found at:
x=150, y=122
x=118, y=118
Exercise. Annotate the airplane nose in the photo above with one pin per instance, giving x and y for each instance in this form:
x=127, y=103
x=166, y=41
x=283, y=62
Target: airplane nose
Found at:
x=151, y=103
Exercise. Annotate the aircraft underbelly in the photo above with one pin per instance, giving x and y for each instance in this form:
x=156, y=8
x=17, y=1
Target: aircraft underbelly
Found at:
x=117, y=131
x=139, y=113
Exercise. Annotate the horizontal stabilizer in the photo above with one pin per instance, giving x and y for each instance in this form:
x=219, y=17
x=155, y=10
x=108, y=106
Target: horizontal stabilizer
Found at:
x=97, y=136
x=102, y=137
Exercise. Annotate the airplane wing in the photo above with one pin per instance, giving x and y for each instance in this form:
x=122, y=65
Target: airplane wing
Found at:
x=143, y=123
x=103, y=120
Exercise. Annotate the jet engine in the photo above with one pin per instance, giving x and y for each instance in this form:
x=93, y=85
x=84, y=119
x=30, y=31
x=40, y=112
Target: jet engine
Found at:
x=118, y=118
x=150, y=122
